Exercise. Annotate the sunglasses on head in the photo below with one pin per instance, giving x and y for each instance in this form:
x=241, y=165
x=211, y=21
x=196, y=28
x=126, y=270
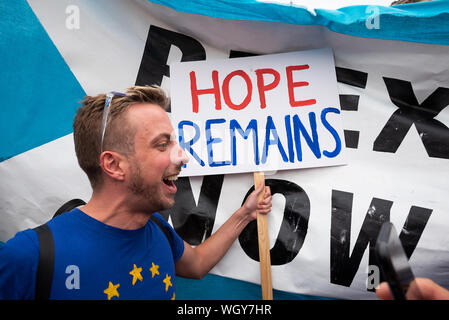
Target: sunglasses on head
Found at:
x=104, y=120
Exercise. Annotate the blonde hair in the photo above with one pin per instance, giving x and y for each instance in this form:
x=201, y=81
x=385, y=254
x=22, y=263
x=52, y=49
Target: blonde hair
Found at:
x=119, y=134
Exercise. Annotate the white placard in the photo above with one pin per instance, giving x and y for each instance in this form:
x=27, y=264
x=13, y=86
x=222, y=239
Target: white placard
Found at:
x=262, y=113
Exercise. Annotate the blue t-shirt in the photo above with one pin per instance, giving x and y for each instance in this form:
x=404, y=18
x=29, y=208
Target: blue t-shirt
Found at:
x=94, y=261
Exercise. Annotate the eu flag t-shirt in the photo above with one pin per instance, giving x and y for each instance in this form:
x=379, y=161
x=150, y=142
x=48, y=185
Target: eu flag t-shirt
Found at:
x=94, y=261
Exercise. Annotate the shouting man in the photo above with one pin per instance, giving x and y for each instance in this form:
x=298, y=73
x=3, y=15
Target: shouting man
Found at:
x=117, y=246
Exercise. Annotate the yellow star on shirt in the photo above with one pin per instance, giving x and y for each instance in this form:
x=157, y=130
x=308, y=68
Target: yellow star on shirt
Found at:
x=154, y=269
x=167, y=282
x=111, y=291
x=135, y=272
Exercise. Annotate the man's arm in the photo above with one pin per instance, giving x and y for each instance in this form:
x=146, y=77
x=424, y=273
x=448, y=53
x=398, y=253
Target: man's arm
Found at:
x=197, y=262
x=18, y=264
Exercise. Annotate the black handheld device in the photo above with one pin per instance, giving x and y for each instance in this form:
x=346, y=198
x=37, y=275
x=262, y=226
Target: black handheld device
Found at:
x=393, y=261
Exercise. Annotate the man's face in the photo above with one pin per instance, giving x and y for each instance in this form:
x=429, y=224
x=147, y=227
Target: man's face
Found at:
x=156, y=162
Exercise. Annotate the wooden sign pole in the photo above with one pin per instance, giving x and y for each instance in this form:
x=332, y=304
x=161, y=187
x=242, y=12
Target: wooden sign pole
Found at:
x=264, y=245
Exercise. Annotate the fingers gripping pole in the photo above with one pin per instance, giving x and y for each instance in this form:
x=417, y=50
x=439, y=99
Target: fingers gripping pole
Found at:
x=264, y=244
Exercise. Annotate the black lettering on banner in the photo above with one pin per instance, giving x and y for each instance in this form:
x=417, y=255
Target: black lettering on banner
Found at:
x=413, y=228
x=345, y=266
x=241, y=54
x=350, y=102
x=293, y=228
x=194, y=223
x=155, y=55
x=433, y=134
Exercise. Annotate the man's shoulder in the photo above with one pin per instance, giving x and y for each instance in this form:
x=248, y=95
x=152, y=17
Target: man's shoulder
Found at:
x=175, y=241
x=23, y=246
x=19, y=257
x=159, y=217
x=65, y=221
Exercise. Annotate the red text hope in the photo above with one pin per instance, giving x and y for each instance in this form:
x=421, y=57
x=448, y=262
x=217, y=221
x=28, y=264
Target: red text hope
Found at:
x=262, y=88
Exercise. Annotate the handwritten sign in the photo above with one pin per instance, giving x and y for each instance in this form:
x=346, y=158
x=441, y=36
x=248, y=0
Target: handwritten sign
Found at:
x=263, y=113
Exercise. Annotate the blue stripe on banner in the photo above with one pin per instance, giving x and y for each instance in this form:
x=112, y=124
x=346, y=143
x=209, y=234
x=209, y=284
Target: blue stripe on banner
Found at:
x=39, y=92
x=426, y=22
x=229, y=289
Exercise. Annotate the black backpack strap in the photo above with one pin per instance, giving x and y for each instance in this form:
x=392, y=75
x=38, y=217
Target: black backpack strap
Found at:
x=161, y=226
x=44, y=275
x=69, y=206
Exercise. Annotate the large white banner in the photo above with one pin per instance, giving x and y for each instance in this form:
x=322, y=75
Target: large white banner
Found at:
x=324, y=222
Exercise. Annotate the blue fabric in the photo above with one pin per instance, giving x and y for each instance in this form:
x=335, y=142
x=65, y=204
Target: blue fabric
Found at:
x=426, y=22
x=104, y=256
x=39, y=92
x=213, y=287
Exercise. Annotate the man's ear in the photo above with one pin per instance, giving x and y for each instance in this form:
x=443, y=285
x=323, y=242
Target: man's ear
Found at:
x=113, y=164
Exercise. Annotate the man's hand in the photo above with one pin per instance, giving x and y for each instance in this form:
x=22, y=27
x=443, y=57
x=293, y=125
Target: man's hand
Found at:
x=264, y=206
x=420, y=289
x=197, y=262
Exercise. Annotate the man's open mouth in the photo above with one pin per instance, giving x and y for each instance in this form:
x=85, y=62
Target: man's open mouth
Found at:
x=169, y=181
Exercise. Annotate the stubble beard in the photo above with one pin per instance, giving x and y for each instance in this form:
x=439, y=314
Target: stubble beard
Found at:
x=152, y=200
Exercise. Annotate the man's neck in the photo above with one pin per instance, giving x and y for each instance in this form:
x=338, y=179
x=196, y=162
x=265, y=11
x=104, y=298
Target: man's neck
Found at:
x=114, y=210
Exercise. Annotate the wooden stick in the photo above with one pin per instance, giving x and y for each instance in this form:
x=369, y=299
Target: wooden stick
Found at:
x=264, y=244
